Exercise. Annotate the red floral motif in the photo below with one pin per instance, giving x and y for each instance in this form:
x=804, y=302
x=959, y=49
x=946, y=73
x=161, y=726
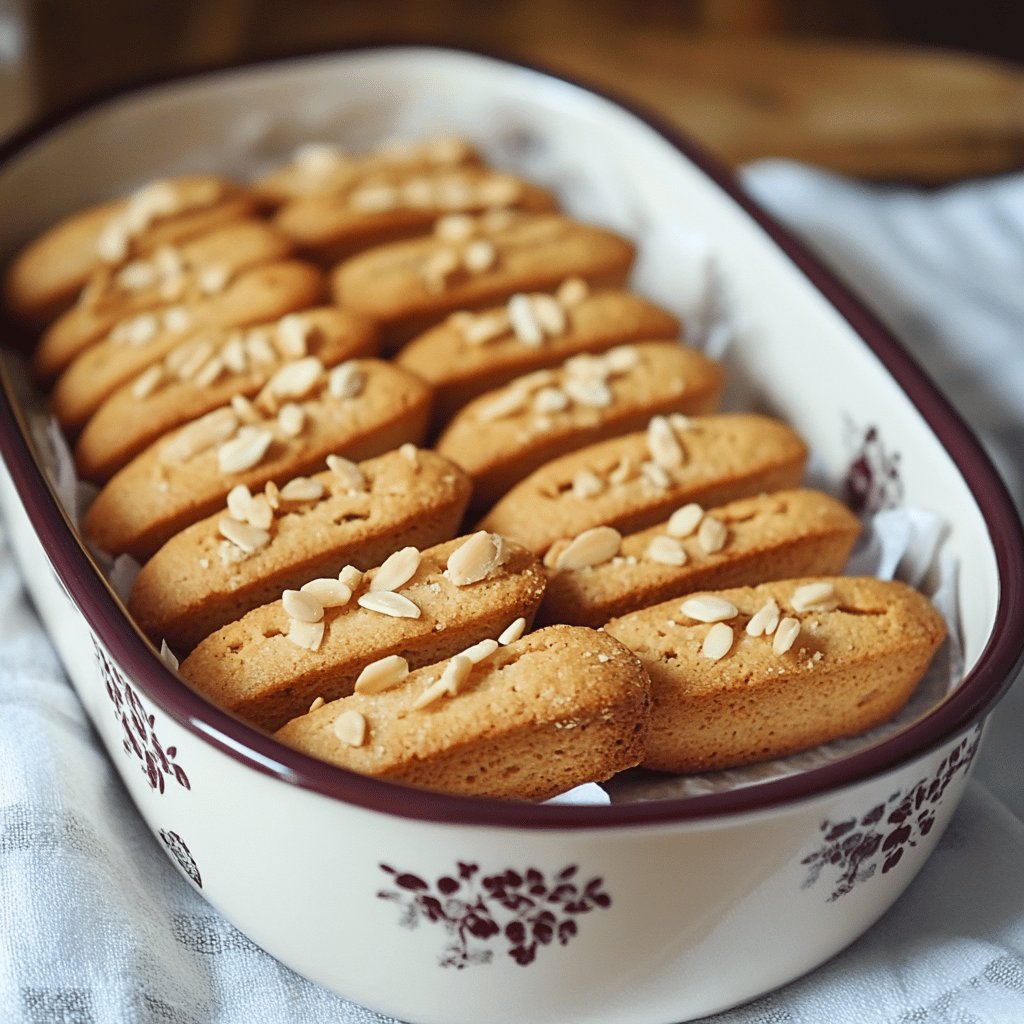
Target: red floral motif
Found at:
x=179, y=850
x=855, y=846
x=523, y=908
x=139, y=737
x=873, y=479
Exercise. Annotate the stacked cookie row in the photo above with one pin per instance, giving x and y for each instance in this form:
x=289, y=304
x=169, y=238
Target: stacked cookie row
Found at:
x=252, y=375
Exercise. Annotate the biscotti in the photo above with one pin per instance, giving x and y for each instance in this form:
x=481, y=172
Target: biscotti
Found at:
x=320, y=168
x=472, y=262
x=270, y=665
x=505, y=434
x=752, y=540
x=533, y=719
x=637, y=480
x=172, y=277
x=255, y=296
x=244, y=556
x=389, y=206
x=748, y=674
x=206, y=372
x=47, y=275
x=358, y=409
x=470, y=353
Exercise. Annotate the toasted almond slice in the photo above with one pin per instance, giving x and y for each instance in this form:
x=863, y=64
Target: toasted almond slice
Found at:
x=382, y=674
x=622, y=358
x=712, y=534
x=655, y=475
x=316, y=705
x=239, y=501
x=479, y=255
x=455, y=227
x=498, y=190
x=512, y=632
x=244, y=409
x=554, y=552
x=329, y=592
x=351, y=728
x=549, y=314
x=572, y=291
x=438, y=267
x=665, y=551
x=200, y=435
x=785, y=635
x=819, y=596
x=177, y=319
x=410, y=453
x=351, y=577
x=765, y=620
x=346, y=380
x=296, y=379
x=146, y=383
x=623, y=472
x=663, y=444
x=386, y=602
x=302, y=488
x=685, y=520
x=258, y=347
x=243, y=451
x=593, y=394
x=209, y=373
x=434, y=692
x=168, y=656
x=486, y=327
x=718, y=641
x=291, y=418
x=302, y=606
x=293, y=335
x=396, y=570
x=260, y=514
x=479, y=651
x=524, y=321
x=592, y=547
x=476, y=558
x=586, y=484
x=273, y=493
x=242, y=535
x=350, y=475
x=308, y=635
x=213, y=279
x=708, y=608
x=506, y=403
x=586, y=367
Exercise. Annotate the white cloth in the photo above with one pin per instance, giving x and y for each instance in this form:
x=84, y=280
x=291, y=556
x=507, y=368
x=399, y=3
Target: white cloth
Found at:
x=96, y=927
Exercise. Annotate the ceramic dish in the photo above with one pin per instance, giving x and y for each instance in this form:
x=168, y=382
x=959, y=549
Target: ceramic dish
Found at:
x=442, y=909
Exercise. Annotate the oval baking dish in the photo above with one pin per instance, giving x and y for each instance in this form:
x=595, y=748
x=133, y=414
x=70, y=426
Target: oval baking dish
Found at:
x=496, y=912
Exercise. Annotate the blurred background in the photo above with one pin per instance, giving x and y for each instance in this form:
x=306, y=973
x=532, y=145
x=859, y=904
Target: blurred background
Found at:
x=910, y=91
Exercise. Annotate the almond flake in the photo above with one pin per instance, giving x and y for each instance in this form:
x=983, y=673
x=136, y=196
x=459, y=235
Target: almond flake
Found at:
x=512, y=632
x=244, y=409
x=680, y=423
x=572, y=292
x=621, y=359
x=329, y=592
x=506, y=403
x=765, y=620
x=586, y=484
x=177, y=319
x=386, y=602
x=479, y=256
x=317, y=704
x=452, y=681
x=820, y=596
x=292, y=335
x=396, y=570
x=548, y=314
x=213, y=279
x=296, y=379
x=555, y=552
x=239, y=502
x=257, y=345
x=209, y=372
x=291, y=418
x=308, y=635
x=685, y=520
x=712, y=535
x=168, y=261
x=242, y=535
x=656, y=475
x=586, y=367
x=486, y=327
x=350, y=475
x=476, y=558
x=591, y=547
x=479, y=651
x=273, y=494
x=708, y=608
x=302, y=606
x=524, y=321
x=200, y=436
x=623, y=472
x=433, y=693
x=261, y=515
x=438, y=267
x=136, y=276
x=382, y=674
x=146, y=383
x=785, y=635
x=455, y=227
x=139, y=330
x=663, y=444
x=113, y=242
x=718, y=641
x=374, y=199
x=666, y=551
x=244, y=451
x=410, y=453
x=350, y=727
x=346, y=380
x=192, y=359
x=351, y=577
x=168, y=656
x=302, y=488
x=593, y=394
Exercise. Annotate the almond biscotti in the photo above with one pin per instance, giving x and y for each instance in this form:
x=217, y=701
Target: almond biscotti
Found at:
x=360, y=408
x=473, y=262
x=173, y=276
x=637, y=480
x=392, y=205
x=48, y=274
x=207, y=371
x=504, y=435
x=526, y=721
x=271, y=664
x=245, y=555
x=320, y=168
x=782, y=535
x=749, y=674
x=470, y=353
x=132, y=346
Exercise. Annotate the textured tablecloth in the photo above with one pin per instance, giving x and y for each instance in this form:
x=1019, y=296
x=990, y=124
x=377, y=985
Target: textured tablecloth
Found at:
x=97, y=927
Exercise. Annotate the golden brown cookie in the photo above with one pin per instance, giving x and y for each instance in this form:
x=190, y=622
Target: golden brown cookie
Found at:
x=470, y=353
x=205, y=372
x=358, y=409
x=173, y=277
x=47, y=275
x=245, y=555
x=473, y=262
x=753, y=673
x=258, y=667
x=781, y=535
x=558, y=708
x=506, y=434
x=637, y=480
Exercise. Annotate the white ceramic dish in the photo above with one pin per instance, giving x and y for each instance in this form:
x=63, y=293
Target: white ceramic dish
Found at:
x=443, y=909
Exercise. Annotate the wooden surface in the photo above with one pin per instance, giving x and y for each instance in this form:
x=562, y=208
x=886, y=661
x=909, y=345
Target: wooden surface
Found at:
x=747, y=79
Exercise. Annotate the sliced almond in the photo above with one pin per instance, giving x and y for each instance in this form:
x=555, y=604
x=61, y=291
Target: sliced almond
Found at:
x=396, y=570
x=346, y=380
x=476, y=558
x=302, y=606
x=296, y=379
x=479, y=256
x=374, y=199
x=291, y=418
x=479, y=651
x=452, y=681
x=146, y=383
x=593, y=394
x=242, y=535
x=592, y=547
x=261, y=515
x=302, y=488
x=586, y=484
x=718, y=641
x=351, y=728
x=512, y=632
x=351, y=577
x=785, y=635
x=819, y=596
x=708, y=608
x=765, y=620
x=685, y=520
x=317, y=704
x=666, y=551
x=308, y=635
x=524, y=321
x=549, y=314
x=505, y=403
x=200, y=435
x=572, y=292
x=486, y=327
x=386, y=602
x=656, y=475
x=213, y=279
x=329, y=592
x=622, y=358
x=455, y=227
x=382, y=674
x=292, y=335
x=177, y=319
x=712, y=534
x=239, y=501
x=244, y=451
x=663, y=444
x=623, y=472
x=209, y=372
x=350, y=475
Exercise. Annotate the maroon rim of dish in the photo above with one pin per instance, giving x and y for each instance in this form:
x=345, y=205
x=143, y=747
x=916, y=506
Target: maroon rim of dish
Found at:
x=974, y=698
